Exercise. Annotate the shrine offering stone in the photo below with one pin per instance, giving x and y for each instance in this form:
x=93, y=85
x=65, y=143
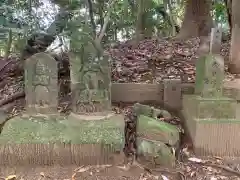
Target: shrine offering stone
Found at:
x=209, y=76
x=91, y=82
x=41, y=84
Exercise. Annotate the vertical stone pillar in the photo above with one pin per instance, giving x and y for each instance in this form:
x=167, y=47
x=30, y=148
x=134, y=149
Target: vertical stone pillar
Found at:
x=91, y=82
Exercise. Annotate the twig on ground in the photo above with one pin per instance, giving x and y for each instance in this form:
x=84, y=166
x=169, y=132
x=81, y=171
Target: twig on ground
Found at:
x=161, y=170
x=225, y=168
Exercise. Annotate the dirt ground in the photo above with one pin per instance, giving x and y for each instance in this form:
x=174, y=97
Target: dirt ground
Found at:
x=192, y=169
x=104, y=172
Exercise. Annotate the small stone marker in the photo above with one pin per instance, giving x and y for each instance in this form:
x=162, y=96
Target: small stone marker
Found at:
x=41, y=84
x=215, y=40
x=210, y=69
x=214, y=76
x=172, y=93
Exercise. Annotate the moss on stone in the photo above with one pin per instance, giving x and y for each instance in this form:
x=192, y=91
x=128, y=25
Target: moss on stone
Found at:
x=62, y=130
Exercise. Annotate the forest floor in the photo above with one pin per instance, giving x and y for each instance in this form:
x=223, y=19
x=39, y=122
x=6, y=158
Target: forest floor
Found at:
x=194, y=168
x=152, y=61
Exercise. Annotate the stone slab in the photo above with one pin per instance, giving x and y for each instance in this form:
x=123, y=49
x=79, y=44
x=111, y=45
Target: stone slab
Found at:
x=154, y=153
x=212, y=137
x=220, y=138
x=146, y=110
x=157, y=130
x=61, y=141
x=172, y=93
x=215, y=108
x=143, y=109
x=209, y=76
x=209, y=108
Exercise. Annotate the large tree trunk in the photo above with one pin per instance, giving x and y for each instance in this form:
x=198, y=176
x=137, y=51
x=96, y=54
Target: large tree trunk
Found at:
x=228, y=4
x=197, y=19
x=234, y=64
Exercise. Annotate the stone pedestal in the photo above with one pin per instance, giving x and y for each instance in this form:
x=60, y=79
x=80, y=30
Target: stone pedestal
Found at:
x=61, y=141
x=211, y=118
x=214, y=108
x=212, y=125
x=91, y=98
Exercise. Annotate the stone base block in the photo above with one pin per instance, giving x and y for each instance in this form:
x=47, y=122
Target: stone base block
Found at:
x=210, y=108
x=60, y=141
x=215, y=108
x=212, y=137
x=57, y=154
x=49, y=110
x=217, y=138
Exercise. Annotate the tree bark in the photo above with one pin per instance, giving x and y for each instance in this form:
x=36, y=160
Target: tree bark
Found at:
x=91, y=14
x=197, y=19
x=140, y=21
x=228, y=4
x=9, y=45
x=234, y=64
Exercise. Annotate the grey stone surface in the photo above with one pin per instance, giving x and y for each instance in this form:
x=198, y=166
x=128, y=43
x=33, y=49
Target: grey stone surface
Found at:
x=41, y=84
x=91, y=82
x=172, y=93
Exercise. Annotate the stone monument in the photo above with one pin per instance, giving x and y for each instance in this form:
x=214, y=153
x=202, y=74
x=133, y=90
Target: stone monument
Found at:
x=91, y=95
x=41, y=84
x=90, y=83
x=208, y=112
x=53, y=139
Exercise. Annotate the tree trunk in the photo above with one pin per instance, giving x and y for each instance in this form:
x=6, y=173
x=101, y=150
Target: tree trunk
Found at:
x=9, y=45
x=228, y=4
x=234, y=64
x=197, y=19
x=140, y=21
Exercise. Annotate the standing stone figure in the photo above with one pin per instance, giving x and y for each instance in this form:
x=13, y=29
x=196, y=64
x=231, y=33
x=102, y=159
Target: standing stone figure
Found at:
x=91, y=82
x=41, y=84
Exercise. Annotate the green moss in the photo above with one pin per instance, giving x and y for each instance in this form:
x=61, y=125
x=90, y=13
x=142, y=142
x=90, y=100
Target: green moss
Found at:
x=62, y=130
x=157, y=130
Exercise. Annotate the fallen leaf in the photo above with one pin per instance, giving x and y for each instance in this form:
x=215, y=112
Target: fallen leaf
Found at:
x=42, y=174
x=125, y=167
x=11, y=177
x=164, y=177
x=193, y=173
x=83, y=169
x=73, y=176
x=213, y=178
x=197, y=160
